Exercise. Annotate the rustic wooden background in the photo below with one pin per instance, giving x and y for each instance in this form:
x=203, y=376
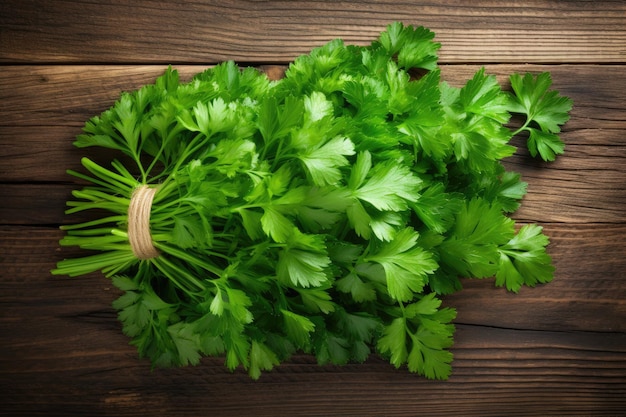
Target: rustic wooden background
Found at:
x=556, y=350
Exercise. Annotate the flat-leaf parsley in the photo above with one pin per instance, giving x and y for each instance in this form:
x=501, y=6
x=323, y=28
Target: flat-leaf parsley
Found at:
x=326, y=212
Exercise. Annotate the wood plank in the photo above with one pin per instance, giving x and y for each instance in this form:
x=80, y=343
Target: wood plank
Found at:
x=37, y=125
x=43, y=108
x=590, y=261
x=531, y=373
x=31, y=94
x=583, y=186
x=34, y=204
x=587, y=294
x=555, y=350
x=68, y=95
x=207, y=32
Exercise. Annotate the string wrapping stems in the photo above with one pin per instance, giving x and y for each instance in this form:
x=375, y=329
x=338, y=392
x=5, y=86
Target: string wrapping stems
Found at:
x=139, y=223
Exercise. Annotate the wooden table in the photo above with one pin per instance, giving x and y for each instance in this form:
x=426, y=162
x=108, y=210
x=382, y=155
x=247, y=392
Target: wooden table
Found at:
x=555, y=350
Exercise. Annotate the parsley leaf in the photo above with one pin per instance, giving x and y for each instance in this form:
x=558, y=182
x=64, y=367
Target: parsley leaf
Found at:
x=412, y=46
x=303, y=261
x=388, y=187
x=472, y=247
x=543, y=108
x=524, y=260
x=261, y=359
x=298, y=327
x=405, y=263
x=483, y=96
x=324, y=163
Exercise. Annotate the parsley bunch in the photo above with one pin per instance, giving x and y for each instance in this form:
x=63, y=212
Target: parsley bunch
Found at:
x=326, y=212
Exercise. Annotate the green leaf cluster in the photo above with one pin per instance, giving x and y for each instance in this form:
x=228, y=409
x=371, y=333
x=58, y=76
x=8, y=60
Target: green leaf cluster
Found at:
x=327, y=212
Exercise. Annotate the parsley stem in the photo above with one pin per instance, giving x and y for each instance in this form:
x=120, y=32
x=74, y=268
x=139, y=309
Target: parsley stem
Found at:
x=164, y=191
x=78, y=206
x=190, y=150
x=173, y=272
x=122, y=170
x=108, y=175
x=111, y=185
x=96, y=196
x=277, y=156
x=104, y=220
x=156, y=157
x=137, y=158
x=521, y=129
x=80, y=266
x=185, y=256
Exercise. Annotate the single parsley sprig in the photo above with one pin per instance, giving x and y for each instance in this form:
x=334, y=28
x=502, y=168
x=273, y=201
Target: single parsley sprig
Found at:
x=545, y=112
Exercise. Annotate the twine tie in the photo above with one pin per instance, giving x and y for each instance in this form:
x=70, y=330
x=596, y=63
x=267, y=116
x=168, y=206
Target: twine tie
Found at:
x=139, y=223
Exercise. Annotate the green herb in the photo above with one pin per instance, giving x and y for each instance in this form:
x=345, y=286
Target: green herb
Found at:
x=326, y=213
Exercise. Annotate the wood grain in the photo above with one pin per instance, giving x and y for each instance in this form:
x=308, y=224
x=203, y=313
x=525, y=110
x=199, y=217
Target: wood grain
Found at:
x=278, y=31
x=46, y=124
x=562, y=344
x=555, y=350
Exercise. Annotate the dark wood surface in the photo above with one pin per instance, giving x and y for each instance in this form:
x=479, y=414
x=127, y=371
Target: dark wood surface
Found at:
x=555, y=350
